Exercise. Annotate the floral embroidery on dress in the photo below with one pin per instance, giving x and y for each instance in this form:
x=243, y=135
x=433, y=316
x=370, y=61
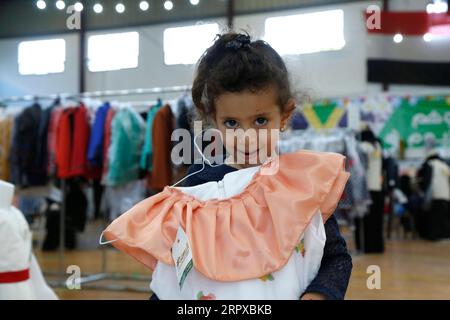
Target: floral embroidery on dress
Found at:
x=300, y=247
x=201, y=296
x=267, y=277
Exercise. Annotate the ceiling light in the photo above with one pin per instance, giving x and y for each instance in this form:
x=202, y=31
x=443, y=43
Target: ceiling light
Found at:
x=398, y=38
x=78, y=6
x=60, y=5
x=143, y=5
x=195, y=2
x=41, y=4
x=168, y=5
x=98, y=8
x=427, y=37
x=120, y=8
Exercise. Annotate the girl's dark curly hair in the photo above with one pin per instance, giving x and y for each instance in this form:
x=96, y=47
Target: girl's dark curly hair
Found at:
x=234, y=63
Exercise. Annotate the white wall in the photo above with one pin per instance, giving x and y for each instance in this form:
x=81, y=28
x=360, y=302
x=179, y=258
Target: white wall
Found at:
x=333, y=73
x=12, y=83
x=326, y=74
x=151, y=72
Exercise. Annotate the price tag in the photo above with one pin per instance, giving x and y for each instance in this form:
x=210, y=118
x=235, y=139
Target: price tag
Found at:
x=182, y=256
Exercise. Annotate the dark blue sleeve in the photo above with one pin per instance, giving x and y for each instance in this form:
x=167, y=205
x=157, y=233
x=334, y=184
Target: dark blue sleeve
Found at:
x=336, y=267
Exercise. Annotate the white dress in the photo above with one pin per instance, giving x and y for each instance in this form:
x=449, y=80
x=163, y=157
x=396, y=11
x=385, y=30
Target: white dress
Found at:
x=289, y=282
x=16, y=255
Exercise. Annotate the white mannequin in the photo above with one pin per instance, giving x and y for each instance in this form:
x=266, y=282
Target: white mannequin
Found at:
x=20, y=275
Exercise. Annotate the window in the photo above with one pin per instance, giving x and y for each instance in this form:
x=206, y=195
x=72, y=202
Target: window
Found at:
x=306, y=33
x=41, y=56
x=185, y=45
x=437, y=6
x=113, y=51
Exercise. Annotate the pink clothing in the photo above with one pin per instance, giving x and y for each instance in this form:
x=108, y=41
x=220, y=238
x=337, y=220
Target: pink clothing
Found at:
x=246, y=236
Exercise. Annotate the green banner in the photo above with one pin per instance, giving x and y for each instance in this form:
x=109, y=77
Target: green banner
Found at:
x=415, y=123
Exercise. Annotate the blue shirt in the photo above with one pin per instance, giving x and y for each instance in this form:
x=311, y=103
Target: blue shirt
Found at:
x=95, y=148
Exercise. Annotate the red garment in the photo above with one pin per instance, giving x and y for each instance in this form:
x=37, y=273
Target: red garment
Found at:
x=64, y=144
x=81, y=131
x=107, y=140
x=72, y=143
x=52, y=139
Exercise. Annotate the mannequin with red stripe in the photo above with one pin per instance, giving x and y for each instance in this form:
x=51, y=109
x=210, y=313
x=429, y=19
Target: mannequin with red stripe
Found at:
x=20, y=275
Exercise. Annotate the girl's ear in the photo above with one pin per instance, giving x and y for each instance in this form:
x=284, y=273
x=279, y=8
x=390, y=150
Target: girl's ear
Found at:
x=288, y=111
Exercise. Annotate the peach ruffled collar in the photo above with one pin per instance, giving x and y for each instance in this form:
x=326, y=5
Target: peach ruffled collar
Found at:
x=245, y=236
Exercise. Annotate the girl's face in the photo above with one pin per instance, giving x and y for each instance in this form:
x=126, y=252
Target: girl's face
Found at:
x=249, y=122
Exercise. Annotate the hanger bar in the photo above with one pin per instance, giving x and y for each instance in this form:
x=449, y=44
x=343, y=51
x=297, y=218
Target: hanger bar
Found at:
x=98, y=94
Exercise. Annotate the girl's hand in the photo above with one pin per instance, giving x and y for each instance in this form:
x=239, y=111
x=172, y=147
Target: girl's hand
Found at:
x=313, y=296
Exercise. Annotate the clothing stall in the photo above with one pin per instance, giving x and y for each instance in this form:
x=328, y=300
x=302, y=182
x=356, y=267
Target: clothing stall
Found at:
x=122, y=147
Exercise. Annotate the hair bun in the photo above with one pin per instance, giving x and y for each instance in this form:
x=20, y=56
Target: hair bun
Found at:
x=238, y=42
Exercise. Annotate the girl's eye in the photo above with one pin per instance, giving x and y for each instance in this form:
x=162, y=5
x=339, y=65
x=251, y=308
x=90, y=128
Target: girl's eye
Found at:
x=261, y=121
x=232, y=124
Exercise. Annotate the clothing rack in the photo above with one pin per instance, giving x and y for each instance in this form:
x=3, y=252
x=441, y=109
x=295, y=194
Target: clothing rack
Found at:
x=98, y=94
x=104, y=274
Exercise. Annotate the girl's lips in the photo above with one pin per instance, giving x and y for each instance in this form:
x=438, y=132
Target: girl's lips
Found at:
x=248, y=155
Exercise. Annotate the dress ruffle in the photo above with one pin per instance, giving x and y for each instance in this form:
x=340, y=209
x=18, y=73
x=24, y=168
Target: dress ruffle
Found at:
x=242, y=237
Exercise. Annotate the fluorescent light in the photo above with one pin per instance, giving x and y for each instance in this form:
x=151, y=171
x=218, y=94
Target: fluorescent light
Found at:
x=98, y=8
x=60, y=5
x=314, y=32
x=438, y=6
x=41, y=4
x=120, y=8
x=179, y=47
x=168, y=5
x=78, y=6
x=427, y=37
x=195, y=2
x=107, y=52
x=143, y=5
x=41, y=56
x=398, y=38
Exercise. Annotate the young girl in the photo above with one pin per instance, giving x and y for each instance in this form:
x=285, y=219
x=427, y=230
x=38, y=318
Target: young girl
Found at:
x=239, y=230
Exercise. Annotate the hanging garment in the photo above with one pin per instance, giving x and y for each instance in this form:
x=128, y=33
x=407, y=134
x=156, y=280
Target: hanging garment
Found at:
x=76, y=204
x=80, y=140
x=147, y=150
x=95, y=150
x=26, y=167
x=440, y=183
x=126, y=142
x=107, y=143
x=436, y=219
x=52, y=226
x=52, y=140
x=42, y=139
x=163, y=125
x=374, y=169
x=369, y=236
x=6, y=127
x=250, y=234
x=64, y=144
